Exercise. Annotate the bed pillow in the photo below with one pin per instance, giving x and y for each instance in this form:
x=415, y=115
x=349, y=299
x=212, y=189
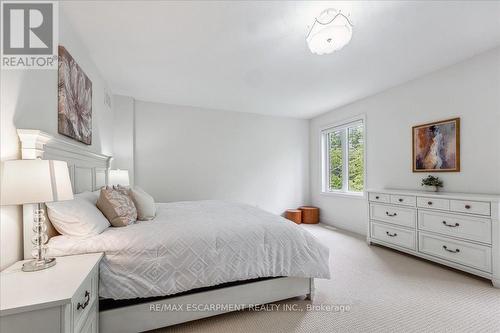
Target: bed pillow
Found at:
x=89, y=196
x=77, y=217
x=117, y=206
x=144, y=203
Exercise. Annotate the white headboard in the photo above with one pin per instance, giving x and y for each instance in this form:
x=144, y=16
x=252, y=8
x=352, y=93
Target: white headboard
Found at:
x=88, y=171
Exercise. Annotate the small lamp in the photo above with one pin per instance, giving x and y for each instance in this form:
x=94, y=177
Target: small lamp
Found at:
x=119, y=177
x=36, y=182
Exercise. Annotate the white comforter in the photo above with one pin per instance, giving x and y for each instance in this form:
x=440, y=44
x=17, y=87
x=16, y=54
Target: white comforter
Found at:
x=198, y=244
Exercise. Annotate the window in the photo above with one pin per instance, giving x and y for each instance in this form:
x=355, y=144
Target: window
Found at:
x=343, y=158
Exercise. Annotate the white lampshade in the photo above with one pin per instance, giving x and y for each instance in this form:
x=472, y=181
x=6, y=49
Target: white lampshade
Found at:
x=118, y=177
x=330, y=32
x=34, y=181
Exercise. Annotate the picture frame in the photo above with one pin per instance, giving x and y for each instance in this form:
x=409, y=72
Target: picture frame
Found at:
x=74, y=99
x=436, y=146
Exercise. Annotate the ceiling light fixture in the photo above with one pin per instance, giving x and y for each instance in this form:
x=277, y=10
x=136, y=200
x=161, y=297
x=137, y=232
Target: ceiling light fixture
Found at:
x=330, y=32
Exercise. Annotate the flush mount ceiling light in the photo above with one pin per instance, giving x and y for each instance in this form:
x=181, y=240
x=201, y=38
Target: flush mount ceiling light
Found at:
x=330, y=32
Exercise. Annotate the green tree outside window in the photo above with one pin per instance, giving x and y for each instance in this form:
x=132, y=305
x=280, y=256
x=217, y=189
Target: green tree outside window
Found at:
x=346, y=143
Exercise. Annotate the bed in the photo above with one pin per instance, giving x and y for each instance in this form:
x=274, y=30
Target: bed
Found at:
x=191, y=252
x=197, y=244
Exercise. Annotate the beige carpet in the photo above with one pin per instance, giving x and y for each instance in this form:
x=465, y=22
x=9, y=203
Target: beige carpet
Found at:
x=386, y=292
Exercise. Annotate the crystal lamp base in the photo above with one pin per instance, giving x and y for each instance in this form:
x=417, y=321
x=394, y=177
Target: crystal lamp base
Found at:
x=38, y=265
x=39, y=239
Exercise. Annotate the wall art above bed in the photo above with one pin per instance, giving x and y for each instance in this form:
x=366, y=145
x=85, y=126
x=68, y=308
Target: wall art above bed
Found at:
x=436, y=146
x=74, y=99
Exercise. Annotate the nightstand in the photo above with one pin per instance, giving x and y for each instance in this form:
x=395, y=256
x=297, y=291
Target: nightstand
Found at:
x=63, y=298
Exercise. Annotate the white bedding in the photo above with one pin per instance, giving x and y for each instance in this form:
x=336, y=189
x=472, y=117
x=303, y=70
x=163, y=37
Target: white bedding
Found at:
x=197, y=244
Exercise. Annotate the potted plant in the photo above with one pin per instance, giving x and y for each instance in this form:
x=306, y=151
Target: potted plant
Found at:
x=431, y=183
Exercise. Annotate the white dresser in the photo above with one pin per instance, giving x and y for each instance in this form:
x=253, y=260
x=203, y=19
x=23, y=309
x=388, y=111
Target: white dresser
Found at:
x=455, y=229
x=62, y=298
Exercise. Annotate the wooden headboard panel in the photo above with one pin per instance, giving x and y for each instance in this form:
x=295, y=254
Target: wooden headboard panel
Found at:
x=88, y=171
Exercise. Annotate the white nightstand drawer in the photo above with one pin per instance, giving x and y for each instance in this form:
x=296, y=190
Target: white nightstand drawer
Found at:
x=379, y=197
x=90, y=325
x=84, y=299
x=49, y=298
x=472, y=207
x=405, y=200
x=393, y=235
x=465, y=253
x=433, y=203
x=397, y=215
x=468, y=227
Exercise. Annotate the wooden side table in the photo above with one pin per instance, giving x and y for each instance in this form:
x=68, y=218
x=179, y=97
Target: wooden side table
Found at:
x=294, y=215
x=310, y=215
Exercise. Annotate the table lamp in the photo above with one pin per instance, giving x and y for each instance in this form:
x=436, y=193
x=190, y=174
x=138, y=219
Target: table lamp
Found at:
x=35, y=182
x=119, y=177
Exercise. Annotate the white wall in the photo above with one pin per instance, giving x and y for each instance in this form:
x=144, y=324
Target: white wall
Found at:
x=469, y=90
x=10, y=216
x=186, y=153
x=29, y=100
x=123, y=135
x=36, y=101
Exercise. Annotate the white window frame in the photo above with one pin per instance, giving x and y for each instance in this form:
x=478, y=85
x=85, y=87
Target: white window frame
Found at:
x=325, y=165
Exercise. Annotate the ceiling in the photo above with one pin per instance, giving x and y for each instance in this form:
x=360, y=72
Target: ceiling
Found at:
x=251, y=56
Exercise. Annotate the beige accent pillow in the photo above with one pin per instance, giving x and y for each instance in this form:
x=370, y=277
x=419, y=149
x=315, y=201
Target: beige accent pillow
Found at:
x=117, y=206
x=144, y=203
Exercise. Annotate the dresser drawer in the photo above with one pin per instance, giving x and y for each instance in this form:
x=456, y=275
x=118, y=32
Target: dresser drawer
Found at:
x=433, y=203
x=405, y=200
x=468, y=227
x=471, y=207
x=84, y=299
x=379, y=197
x=91, y=324
x=461, y=252
x=393, y=235
x=397, y=215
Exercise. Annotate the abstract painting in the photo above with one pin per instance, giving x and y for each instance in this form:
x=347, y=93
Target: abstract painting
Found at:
x=74, y=100
x=436, y=146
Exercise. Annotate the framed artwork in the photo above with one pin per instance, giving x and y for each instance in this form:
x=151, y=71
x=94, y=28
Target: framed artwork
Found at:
x=436, y=146
x=74, y=100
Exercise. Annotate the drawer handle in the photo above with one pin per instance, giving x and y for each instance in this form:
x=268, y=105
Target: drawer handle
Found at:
x=400, y=200
x=452, y=251
x=450, y=225
x=87, y=300
x=377, y=197
x=467, y=206
x=391, y=215
x=429, y=203
x=391, y=235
